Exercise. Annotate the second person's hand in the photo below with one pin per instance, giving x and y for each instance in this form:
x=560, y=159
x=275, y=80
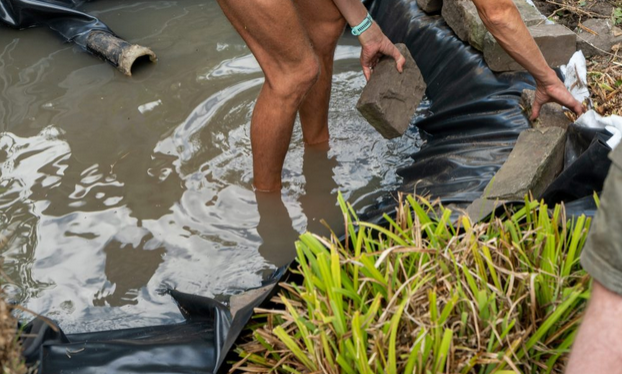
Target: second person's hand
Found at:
x=553, y=90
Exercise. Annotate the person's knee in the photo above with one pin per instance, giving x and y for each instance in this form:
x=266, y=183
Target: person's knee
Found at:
x=325, y=39
x=296, y=81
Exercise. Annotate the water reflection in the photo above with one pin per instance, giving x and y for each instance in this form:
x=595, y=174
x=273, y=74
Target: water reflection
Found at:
x=111, y=187
x=124, y=258
x=317, y=204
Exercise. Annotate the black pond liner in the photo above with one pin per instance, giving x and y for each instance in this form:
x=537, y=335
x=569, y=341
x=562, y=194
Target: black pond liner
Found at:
x=474, y=123
x=59, y=15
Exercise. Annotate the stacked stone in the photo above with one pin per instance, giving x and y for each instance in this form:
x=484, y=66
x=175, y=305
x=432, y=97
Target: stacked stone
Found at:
x=556, y=42
x=598, y=37
x=537, y=157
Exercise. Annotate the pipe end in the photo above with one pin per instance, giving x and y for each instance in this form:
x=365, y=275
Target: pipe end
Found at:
x=133, y=53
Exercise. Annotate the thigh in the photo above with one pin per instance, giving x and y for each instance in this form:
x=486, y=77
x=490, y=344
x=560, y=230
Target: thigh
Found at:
x=273, y=31
x=323, y=22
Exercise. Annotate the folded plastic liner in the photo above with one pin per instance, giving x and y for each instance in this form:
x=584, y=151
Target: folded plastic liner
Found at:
x=474, y=123
x=74, y=26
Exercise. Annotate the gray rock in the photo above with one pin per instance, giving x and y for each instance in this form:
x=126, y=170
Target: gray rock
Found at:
x=551, y=114
x=430, y=6
x=535, y=161
x=556, y=42
x=389, y=99
x=607, y=35
x=482, y=208
x=462, y=17
x=529, y=13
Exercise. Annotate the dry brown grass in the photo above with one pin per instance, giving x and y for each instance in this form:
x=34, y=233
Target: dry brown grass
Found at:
x=604, y=72
x=428, y=295
x=11, y=361
x=605, y=81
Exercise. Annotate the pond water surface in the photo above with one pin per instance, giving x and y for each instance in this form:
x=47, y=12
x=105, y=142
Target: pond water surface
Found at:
x=114, y=187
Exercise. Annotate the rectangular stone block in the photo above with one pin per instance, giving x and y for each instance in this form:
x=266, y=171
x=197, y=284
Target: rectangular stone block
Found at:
x=430, y=6
x=605, y=35
x=535, y=161
x=464, y=20
x=462, y=17
x=551, y=114
x=482, y=208
x=529, y=13
x=556, y=42
x=390, y=98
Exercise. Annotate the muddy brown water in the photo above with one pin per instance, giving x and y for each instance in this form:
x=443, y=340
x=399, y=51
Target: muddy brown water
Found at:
x=113, y=187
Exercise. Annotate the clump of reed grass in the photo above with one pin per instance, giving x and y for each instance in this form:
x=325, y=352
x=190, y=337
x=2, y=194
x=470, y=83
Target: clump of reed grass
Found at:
x=11, y=360
x=426, y=295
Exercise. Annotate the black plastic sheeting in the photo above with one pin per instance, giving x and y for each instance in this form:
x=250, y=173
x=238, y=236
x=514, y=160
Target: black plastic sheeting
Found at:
x=59, y=15
x=198, y=345
x=474, y=123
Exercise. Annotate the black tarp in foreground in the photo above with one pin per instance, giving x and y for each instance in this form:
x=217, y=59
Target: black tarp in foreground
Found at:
x=474, y=124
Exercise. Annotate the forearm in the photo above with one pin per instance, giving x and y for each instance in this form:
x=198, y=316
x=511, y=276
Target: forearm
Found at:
x=502, y=19
x=352, y=10
x=355, y=12
x=598, y=346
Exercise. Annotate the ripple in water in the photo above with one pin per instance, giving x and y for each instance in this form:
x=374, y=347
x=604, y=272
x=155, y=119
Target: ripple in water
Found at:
x=113, y=187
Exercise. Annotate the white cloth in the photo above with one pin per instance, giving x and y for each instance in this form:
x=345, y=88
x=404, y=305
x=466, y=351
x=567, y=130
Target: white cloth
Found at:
x=575, y=74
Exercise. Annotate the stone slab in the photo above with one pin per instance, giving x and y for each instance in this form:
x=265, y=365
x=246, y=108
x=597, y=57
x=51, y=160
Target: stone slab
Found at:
x=606, y=36
x=535, y=161
x=430, y=6
x=556, y=42
x=482, y=208
x=551, y=114
x=462, y=17
x=390, y=98
x=464, y=20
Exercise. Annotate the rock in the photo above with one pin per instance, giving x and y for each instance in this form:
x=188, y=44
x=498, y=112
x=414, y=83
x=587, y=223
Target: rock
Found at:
x=551, y=114
x=535, y=161
x=556, y=42
x=430, y=6
x=482, y=208
x=462, y=17
x=389, y=99
x=529, y=13
x=607, y=35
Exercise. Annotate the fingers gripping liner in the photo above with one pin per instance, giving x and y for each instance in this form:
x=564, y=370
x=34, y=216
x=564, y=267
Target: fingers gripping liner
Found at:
x=74, y=26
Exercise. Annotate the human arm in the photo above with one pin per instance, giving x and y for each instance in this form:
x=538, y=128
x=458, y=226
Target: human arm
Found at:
x=373, y=41
x=504, y=22
x=598, y=346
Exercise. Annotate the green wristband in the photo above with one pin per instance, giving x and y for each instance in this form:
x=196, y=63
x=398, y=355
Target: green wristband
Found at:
x=361, y=27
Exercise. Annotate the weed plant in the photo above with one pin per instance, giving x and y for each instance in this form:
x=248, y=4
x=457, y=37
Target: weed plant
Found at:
x=427, y=295
x=11, y=361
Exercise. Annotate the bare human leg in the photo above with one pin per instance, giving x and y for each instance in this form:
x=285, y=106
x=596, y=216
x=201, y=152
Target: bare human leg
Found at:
x=324, y=24
x=274, y=33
